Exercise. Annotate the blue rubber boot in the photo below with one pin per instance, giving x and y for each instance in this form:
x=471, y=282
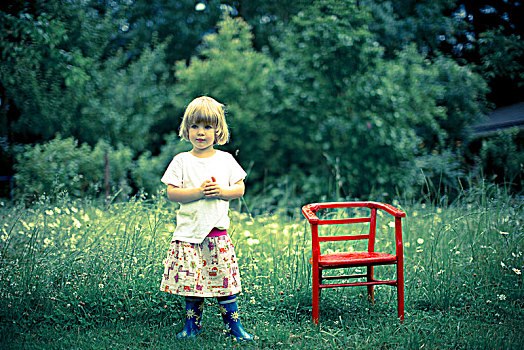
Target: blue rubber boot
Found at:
x=194, y=308
x=229, y=310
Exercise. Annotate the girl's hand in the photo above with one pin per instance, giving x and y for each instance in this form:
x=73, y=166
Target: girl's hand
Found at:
x=211, y=189
x=208, y=189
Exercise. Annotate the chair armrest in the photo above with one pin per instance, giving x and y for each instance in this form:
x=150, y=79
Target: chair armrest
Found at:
x=389, y=209
x=310, y=210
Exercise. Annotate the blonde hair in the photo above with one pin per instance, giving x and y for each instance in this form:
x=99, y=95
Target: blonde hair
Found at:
x=209, y=111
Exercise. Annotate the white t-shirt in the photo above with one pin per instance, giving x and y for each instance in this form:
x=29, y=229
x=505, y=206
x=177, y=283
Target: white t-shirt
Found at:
x=196, y=219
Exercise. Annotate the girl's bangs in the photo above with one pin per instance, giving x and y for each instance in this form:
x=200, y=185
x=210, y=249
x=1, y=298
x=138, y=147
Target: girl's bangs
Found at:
x=202, y=116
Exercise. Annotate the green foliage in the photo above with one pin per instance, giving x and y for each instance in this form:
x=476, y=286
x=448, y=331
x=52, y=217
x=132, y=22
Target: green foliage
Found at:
x=438, y=176
x=324, y=53
x=231, y=71
x=421, y=23
x=484, y=34
x=364, y=118
x=329, y=98
x=502, y=158
x=149, y=169
x=56, y=70
x=464, y=99
x=175, y=22
x=399, y=101
x=62, y=165
x=125, y=100
x=45, y=66
x=492, y=41
x=501, y=55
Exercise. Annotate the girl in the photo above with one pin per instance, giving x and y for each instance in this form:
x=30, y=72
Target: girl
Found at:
x=201, y=261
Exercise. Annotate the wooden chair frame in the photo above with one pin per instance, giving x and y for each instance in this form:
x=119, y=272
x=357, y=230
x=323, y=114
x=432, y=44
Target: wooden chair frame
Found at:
x=368, y=258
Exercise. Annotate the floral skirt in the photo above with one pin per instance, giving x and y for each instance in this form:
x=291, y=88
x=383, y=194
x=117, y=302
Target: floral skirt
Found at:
x=208, y=269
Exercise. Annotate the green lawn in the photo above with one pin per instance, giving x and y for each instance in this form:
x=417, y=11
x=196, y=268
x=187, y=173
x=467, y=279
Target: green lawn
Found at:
x=84, y=275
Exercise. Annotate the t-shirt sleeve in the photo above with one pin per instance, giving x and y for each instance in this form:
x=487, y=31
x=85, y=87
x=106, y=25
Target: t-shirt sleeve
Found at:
x=173, y=174
x=237, y=173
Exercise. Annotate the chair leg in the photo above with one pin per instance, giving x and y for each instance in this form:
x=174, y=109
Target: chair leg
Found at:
x=319, y=282
x=400, y=291
x=316, y=292
x=371, y=294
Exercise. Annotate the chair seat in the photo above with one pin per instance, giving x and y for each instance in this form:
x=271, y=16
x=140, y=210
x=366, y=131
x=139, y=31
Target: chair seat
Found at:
x=354, y=258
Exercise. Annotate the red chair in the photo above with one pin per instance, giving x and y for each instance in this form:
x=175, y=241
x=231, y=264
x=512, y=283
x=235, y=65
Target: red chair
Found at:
x=369, y=258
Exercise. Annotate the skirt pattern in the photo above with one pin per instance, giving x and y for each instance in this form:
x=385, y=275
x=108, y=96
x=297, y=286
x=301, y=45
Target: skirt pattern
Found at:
x=208, y=269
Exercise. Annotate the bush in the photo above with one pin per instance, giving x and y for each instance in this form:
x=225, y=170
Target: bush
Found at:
x=149, y=169
x=502, y=160
x=230, y=70
x=62, y=165
x=439, y=176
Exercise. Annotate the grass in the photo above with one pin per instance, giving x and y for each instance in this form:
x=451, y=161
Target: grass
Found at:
x=83, y=274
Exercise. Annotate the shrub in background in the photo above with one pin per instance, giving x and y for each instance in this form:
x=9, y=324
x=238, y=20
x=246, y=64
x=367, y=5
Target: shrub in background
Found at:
x=230, y=70
x=128, y=99
x=63, y=165
x=502, y=159
x=439, y=177
x=332, y=108
x=148, y=170
x=360, y=121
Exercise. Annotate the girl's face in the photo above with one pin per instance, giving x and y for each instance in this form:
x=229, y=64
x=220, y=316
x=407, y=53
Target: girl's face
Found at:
x=202, y=137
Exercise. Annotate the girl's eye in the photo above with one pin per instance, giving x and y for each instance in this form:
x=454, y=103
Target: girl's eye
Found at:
x=209, y=127
x=194, y=126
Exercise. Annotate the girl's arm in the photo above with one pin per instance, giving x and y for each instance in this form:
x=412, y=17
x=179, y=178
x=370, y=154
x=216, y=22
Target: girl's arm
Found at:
x=185, y=195
x=209, y=189
x=233, y=192
x=226, y=193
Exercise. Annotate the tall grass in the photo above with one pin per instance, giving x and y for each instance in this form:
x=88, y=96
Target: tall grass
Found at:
x=86, y=274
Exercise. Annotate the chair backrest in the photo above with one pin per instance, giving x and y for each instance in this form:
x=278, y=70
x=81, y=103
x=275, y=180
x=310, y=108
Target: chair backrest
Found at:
x=310, y=210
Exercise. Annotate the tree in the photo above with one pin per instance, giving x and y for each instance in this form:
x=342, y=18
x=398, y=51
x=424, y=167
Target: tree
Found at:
x=178, y=23
x=58, y=77
x=266, y=17
x=482, y=34
x=229, y=69
x=45, y=66
x=362, y=113
x=494, y=42
x=125, y=100
x=424, y=23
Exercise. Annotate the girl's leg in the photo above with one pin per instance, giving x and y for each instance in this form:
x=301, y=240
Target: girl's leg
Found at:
x=229, y=311
x=194, y=308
